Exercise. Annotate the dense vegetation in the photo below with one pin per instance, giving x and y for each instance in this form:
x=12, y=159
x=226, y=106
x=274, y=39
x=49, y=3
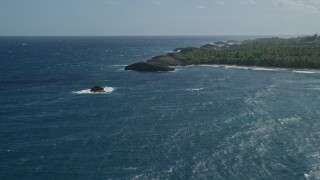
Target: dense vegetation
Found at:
x=302, y=52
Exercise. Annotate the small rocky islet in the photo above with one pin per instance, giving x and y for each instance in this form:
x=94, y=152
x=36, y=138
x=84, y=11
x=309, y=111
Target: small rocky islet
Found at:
x=97, y=89
x=299, y=52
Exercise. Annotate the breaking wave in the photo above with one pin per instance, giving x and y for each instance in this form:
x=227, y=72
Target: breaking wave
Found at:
x=87, y=91
x=267, y=69
x=305, y=72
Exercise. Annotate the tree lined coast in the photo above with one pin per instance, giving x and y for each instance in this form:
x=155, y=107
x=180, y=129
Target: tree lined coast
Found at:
x=300, y=53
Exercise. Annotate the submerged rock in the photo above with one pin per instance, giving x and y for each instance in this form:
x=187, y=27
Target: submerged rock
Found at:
x=97, y=89
x=149, y=66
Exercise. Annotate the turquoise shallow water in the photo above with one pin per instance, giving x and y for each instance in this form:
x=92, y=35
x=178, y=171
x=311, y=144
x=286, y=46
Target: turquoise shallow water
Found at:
x=199, y=122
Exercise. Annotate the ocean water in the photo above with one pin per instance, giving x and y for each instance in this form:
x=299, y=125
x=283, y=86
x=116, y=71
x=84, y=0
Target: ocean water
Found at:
x=198, y=122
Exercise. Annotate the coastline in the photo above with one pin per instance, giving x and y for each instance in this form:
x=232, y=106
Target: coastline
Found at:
x=268, y=53
x=255, y=68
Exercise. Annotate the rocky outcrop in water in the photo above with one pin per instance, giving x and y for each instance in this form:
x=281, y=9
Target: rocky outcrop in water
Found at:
x=163, y=62
x=97, y=89
x=149, y=66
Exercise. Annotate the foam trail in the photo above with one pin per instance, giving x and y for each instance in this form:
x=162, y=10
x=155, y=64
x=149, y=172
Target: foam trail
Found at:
x=87, y=91
x=208, y=65
x=305, y=72
x=236, y=67
x=267, y=69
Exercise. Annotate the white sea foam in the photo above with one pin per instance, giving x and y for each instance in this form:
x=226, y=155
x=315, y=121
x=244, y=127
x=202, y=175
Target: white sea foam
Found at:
x=209, y=65
x=267, y=69
x=236, y=67
x=87, y=91
x=305, y=72
x=130, y=168
x=290, y=120
x=140, y=176
x=195, y=89
x=170, y=170
x=306, y=176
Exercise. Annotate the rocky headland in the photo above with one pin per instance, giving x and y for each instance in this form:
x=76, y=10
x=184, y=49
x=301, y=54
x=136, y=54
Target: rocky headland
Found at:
x=300, y=52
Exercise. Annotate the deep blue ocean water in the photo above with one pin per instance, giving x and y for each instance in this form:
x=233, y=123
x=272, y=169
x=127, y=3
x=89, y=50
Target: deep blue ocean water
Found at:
x=199, y=122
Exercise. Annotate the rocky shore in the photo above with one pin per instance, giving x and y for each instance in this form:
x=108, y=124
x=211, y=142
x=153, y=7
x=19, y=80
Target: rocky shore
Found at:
x=300, y=52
